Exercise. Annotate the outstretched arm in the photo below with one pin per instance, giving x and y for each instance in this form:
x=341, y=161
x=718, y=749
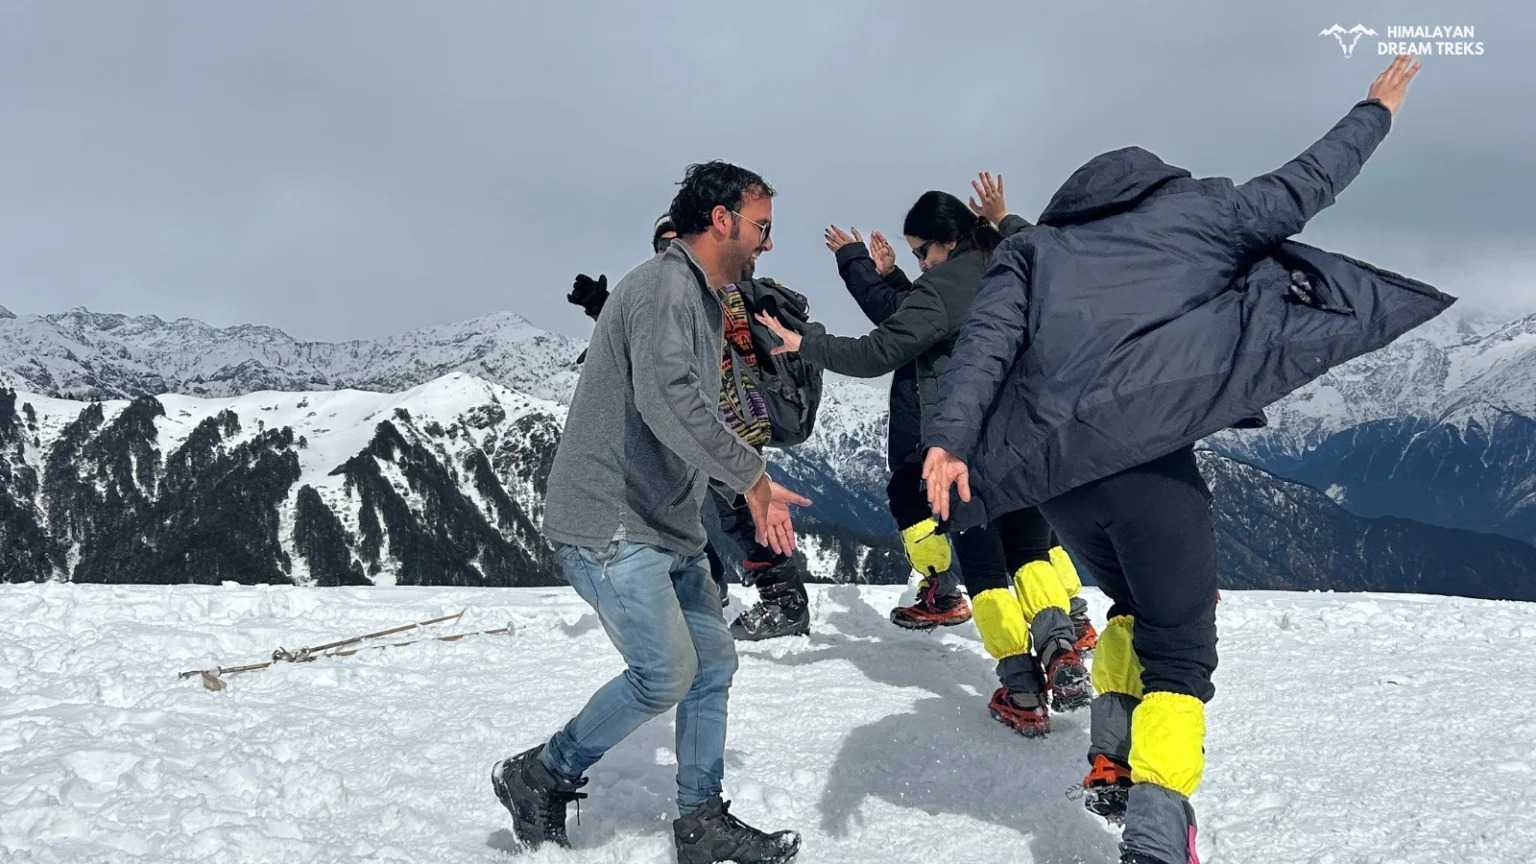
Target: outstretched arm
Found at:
x=917, y=325
x=1274, y=206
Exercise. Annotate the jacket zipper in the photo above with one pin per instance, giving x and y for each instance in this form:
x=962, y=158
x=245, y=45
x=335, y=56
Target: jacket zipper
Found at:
x=687, y=489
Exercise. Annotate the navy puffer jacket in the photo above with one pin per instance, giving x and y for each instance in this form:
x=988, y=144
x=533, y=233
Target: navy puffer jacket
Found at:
x=1148, y=310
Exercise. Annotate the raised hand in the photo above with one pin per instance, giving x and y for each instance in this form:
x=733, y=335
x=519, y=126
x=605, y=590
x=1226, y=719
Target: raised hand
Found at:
x=1392, y=85
x=991, y=205
x=589, y=293
x=837, y=238
x=880, y=250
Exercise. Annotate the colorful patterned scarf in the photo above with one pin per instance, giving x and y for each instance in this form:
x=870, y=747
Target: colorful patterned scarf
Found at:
x=752, y=423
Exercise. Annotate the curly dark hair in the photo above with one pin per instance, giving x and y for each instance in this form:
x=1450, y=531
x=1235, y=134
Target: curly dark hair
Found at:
x=943, y=218
x=710, y=185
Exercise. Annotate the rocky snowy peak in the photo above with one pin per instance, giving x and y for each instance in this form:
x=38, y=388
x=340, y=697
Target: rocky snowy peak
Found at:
x=440, y=484
x=85, y=355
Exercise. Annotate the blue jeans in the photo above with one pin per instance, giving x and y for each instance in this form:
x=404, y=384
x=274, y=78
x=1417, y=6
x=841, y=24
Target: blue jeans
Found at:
x=662, y=611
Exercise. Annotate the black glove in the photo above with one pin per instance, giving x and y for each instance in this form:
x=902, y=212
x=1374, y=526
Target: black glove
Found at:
x=590, y=294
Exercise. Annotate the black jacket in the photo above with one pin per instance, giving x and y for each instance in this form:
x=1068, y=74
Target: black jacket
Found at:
x=920, y=331
x=1149, y=310
x=880, y=297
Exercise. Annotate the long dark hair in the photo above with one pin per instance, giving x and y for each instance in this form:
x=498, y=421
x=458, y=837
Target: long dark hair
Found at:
x=940, y=217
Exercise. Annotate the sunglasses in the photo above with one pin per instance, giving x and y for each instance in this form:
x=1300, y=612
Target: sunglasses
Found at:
x=663, y=243
x=762, y=227
x=922, y=251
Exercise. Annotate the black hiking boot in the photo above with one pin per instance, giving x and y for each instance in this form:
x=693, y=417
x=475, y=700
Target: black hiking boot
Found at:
x=783, y=608
x=711, y=834
x=536, y=797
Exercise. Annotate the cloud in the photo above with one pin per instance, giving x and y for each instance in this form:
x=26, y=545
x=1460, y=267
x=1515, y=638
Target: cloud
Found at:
x=351, y=169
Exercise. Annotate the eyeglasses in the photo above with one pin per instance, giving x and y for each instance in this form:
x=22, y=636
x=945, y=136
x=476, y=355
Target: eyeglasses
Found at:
x=922, y=251
x=763, y=227
x=663, y=242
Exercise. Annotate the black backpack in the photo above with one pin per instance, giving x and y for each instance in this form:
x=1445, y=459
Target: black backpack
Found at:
x=790, y=386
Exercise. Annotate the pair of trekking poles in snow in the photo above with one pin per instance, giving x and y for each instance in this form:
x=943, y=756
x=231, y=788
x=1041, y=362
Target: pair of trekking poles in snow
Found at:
x=213, y=677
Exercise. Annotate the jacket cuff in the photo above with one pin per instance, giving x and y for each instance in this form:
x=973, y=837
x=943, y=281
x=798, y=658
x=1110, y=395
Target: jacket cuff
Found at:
x=850, y=252
x=811, y=348
x=1386, y=112
x=1012, y=225
x=957, y=444
x=762, y=468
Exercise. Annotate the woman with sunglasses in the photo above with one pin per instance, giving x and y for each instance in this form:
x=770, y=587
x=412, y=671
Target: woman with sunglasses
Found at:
x=953, y=244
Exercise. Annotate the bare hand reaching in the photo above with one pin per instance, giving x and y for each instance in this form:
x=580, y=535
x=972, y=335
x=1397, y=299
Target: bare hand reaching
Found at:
x=759, y=499
x=837, y=238
x=880, y=250
x=779, y=523
x=942, y=470
x=790, y=338
x=1392, y=85
x=991, y=194
x=768, y=502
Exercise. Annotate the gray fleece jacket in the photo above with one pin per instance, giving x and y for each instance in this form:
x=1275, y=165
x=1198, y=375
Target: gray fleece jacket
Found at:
x=644, y=435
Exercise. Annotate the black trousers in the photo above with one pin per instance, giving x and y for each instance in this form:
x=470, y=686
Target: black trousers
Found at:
x=905, y=496
x=1147, y=537
x=736, y=522
x=990, y=554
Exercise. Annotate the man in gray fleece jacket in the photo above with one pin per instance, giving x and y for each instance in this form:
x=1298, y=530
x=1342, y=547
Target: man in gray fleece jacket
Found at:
x=643, y=440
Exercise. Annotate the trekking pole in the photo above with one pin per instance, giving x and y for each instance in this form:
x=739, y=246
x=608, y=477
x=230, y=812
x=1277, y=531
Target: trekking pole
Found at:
x=211, y=677
x=305, y=654
x=452, y=637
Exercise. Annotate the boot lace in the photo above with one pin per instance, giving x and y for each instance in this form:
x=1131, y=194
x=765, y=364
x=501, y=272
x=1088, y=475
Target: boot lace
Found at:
x=557, y=797
x=735, y=828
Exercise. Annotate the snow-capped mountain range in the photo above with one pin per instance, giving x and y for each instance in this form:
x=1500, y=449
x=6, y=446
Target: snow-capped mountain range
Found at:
x=1454, y=370
x=439, y=484
x=88, y=356
x=421, y=457
x=1440, y=427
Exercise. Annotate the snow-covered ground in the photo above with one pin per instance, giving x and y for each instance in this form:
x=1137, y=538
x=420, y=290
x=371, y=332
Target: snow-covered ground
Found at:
x=1346, y=728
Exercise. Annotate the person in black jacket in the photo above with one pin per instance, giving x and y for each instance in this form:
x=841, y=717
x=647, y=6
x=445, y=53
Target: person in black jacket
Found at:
x=783, y=607
x=1147, y=310
x=877, y=284
x=953, y=244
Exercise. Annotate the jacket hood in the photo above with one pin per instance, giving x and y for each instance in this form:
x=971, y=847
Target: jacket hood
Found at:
x=1108, y=183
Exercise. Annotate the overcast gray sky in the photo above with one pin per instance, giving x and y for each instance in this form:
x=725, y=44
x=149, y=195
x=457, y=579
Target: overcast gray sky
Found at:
x=355, y=168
